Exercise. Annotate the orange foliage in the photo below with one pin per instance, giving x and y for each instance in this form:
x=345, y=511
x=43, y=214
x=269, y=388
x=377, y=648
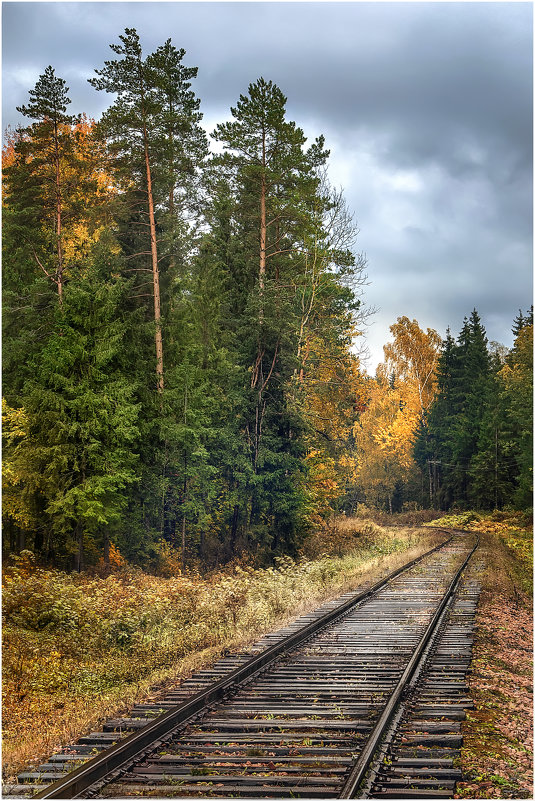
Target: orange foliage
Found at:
x=8, y=150
x=383, y=437
x=87, y=185
x=116, y=561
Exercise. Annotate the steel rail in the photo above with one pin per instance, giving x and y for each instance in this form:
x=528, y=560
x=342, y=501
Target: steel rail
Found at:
x=133, y=745
x=359, y=769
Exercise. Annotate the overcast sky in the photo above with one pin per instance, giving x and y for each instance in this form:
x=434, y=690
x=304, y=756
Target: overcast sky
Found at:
x=426, y=108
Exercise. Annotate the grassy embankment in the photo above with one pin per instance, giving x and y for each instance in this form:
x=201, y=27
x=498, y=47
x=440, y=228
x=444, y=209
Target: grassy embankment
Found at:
x=81, y=648
x=497, y=753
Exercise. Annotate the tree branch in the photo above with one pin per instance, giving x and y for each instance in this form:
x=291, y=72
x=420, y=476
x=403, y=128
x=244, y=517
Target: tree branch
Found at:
x=43, y=268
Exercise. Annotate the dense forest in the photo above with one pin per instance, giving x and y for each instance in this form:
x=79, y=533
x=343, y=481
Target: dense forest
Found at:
x=181, y=322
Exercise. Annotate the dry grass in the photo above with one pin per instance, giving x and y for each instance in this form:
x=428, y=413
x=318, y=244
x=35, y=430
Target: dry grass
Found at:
x=497, y=753
x=80, y=649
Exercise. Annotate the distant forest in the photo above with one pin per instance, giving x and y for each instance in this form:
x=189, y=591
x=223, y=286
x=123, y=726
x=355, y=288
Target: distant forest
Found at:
x=181, y=332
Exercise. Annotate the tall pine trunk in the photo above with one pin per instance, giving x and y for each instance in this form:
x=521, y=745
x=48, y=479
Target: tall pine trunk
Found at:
x=59, y=233
x=153, y=243
x=263, y=237
x=155, y=273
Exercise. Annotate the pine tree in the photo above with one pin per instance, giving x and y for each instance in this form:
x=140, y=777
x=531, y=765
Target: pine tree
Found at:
x=276, y=174
x=178, y=142
x=128, y=124
x=153, y=130
x=292, y=285
x=275, y=184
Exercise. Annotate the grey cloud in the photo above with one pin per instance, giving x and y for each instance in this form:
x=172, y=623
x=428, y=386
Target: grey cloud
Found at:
x=439, y=94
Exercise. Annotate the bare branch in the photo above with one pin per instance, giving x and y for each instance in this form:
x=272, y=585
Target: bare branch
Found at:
x=141, y=253
x=43, y=268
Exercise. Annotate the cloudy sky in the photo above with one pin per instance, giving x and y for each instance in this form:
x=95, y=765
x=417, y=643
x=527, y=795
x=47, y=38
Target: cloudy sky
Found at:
x=426, y=108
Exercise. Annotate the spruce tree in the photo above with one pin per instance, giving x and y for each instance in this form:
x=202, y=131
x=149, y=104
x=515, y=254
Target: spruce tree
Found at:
x=82, y=420
x=521, y=321
x=456, y=417
x=490, y=484
x=55, y=207
x=472, y=383
x=516, y=397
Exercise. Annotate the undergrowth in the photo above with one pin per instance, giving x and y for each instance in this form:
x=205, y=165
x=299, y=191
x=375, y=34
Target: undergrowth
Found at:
x=77, y=646
x=496, y=758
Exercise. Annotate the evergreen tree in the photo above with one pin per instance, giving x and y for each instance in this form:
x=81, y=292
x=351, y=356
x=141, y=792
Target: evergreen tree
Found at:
x=521, y=321
x=463, y=423
x=277, y=176
x=38, y=264
x=471, y=386
x=275, y=184
x=516, y=381
x=490, y=474
x=154, y=134
x=178, y=143
x=42, y=152
x=153, y=130
x=434, y=443
x=259, y=308
x=81, y=412
x=127, y=124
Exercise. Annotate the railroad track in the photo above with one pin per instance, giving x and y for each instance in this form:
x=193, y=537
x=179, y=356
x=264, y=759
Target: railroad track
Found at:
x=362, y=698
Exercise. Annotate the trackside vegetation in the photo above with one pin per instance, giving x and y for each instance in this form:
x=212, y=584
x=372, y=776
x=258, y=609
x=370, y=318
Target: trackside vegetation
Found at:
x=497, y=753
x=78, y=647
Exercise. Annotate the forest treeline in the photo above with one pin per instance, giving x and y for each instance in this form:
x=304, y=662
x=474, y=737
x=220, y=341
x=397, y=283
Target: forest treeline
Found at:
x=449, y=423
x=179, y=360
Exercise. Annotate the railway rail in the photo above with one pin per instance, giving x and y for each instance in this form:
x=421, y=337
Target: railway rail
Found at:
x=362, y=698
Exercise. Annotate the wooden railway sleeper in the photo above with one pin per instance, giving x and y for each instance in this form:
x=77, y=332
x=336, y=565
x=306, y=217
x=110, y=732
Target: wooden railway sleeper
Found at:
x=397, y=766
x=366, y=767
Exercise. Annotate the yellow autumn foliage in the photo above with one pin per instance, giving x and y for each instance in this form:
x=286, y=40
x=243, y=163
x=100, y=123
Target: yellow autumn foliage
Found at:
x=334, y=394
x=398, y=397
